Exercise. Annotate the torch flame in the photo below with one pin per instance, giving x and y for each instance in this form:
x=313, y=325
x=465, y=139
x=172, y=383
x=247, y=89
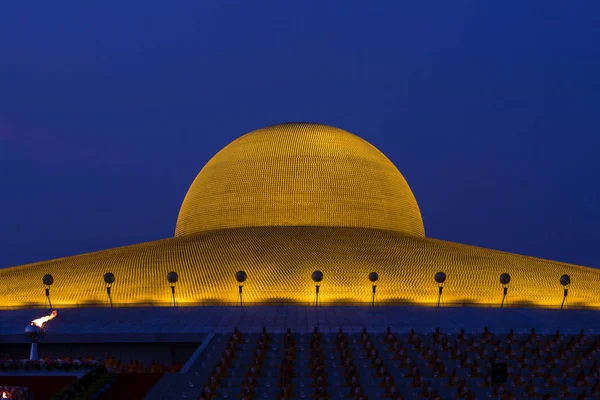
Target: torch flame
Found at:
x=4, y=395
x=40, y=321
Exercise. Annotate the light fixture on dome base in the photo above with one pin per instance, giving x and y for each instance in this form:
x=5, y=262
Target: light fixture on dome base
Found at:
x=504, y=280
x=172, y=277
x=373, y=277
x=48, y=280
x=565, y=281
x=317, y=276
x=241, y=277
x=109, y=279
x=440, y=278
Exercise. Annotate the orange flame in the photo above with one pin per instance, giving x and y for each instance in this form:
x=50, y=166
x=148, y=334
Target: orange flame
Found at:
x=4, y=395
x=40, y=321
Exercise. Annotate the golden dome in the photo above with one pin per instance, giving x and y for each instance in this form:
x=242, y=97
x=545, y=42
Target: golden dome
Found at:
x=299, y=174
x=281, y=202
x=279, y=262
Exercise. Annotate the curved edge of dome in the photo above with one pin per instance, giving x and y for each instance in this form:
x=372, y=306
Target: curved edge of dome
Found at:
x=416, y=228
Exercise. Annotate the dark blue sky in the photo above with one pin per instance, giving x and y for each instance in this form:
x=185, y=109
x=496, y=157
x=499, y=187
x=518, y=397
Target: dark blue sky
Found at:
x=489, y=109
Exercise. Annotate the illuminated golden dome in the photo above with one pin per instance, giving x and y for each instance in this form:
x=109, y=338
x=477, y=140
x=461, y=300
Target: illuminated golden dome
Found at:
x=299, y=174
x=281, y=202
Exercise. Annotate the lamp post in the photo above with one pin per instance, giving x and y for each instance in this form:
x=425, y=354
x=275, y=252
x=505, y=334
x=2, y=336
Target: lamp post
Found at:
x=172, y=277
x=565, y=281
x=317, y=276
x=241, y=277
x=373, y=277
x=440, y=278
x=48, y=280
x=504, y=280
x=109, y=279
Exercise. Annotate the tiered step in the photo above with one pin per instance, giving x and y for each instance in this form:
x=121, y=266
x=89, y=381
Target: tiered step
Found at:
x=189, y=385
x=477, y=356
x=268, y=381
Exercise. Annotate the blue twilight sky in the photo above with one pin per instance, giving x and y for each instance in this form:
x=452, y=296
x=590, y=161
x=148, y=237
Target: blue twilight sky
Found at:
x=108, y=110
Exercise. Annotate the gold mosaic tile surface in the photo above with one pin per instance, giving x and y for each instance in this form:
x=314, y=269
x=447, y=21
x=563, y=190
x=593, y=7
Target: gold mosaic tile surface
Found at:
x=299, y=174
x=281, y=202
x=279, y=262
